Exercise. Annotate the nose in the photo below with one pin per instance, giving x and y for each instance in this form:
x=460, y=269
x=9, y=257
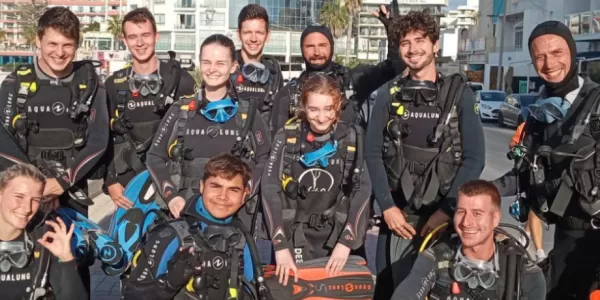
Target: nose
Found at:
x=253, y=37
x=467, y=220
x=60, y=51
x=26, y=206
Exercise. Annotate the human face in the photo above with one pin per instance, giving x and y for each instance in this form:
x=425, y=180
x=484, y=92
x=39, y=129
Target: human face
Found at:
x=321, y=112
x=56, y=51
x=223, y=197
x=140, y=38
x=253, y=34
x=417, y=50
x=19, y=201
x=316, y=48
x=216, y=65
x=551, y=57
x=475, y=220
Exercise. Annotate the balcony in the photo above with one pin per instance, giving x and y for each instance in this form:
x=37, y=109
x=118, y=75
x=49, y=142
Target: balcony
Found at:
x=185, y=26
x=185, y=4
x=465, y=22
x=584, y=26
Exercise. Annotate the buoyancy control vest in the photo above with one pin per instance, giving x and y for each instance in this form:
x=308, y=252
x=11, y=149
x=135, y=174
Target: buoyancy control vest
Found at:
x=133, y=139
x=31, y=126
x=328, y=207
x=423, y=174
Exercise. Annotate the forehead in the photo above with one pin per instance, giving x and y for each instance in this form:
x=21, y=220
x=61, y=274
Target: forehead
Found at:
x=56, y=36
x=474, y=202
x=136, y=27
x=215, y=51
x=414, y=34
x=316, y=99
x=236, y=182
x=254, y=24
x=23, y=185
x=315, y=38
x=548, y=43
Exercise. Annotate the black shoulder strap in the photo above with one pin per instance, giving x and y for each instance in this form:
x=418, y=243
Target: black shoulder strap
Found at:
x=451, y=91
x=247, y=122
x=26, y=85
x=83, y=89
x=293, y=143
x=40, y=278
x=591, y=106
x=187, y=110
x=353, y=159
x=169, y=90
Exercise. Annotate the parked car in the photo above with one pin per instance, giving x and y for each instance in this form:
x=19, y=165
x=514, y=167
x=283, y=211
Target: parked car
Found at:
x=475, y=86
x=514, y=110
x=489, y=104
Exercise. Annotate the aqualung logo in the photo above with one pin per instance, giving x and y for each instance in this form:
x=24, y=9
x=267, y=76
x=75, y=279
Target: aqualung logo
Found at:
x=58, y=108
x=15, y=277
x=218, y=263
x=419, y=115
x=250, y=89
x=131, y=104
x=212, y=131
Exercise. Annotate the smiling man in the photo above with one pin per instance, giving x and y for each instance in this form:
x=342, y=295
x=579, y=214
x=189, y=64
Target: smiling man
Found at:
x=474, y=265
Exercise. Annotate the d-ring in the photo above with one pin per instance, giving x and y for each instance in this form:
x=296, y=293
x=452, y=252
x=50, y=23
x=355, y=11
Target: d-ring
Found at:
x=594, y=226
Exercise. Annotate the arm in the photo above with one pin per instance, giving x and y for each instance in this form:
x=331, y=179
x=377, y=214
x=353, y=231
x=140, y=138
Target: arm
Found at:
x=263, y=147
x=374, y=150
x=65, y=281
x=533, y=283
x=473, y=145
x=281, y=109
x=111, y=99
x=421, y=279
x=272, y=194
x=355, y=229
x=157, y=158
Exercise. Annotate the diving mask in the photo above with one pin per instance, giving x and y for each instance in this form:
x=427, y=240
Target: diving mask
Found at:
x=256, y=72
x=220, y=111
x=320, y=156
x=15, y=254
x=145, y=84
x=549, y=110
x=476, y=273
x=414, y=90
x=220, y=238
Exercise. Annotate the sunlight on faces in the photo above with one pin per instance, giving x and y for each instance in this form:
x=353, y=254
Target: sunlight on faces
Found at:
x=140, y=39
x=19, y=201
x=316, y=48
x=475, y=219
x=417, y=50
x=56, y=50
x=321, y=112
x=223, y=197
x=216, y=65
x=551, y=57
x=253, y=34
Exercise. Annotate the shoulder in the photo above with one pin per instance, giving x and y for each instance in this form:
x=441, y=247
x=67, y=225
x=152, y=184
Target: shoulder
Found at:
x=271, y=61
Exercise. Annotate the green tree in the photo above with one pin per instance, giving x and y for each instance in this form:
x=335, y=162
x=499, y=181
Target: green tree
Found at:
x=92, y=27
x=334, y=15
x=197, y=75
x=353, y=8
x=351, y=62
x=114, y=27
x=28, y=14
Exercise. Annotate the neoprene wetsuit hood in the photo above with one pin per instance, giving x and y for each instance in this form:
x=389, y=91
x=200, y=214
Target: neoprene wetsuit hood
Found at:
x=327, y=33
x=571, y=81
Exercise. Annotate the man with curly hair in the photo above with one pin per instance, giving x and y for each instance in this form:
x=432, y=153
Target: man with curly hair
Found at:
x=418, y=151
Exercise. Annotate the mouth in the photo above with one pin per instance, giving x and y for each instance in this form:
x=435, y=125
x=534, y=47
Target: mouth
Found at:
x=469, y=232
x=253, y=47
x=22, y=217
x=414, y=59
x=553, y=73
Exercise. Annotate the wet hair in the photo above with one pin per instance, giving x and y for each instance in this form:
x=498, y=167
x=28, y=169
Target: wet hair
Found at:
x=62, y=20
x=481, y=187
x=220, y=40
x=415, y=20
x=251, y=12
x=137, y=16
x=227, y=166
x=21, y=170
x=322, y=85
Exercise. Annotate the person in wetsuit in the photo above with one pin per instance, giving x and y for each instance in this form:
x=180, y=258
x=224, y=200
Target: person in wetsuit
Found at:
x=474, y=265
x=207, y=253
x=139, y=95
x=258, y=77
x=56, y=109
x=197, y=128
x=424, y=140
x=315, y=189
x=357, y=84
x=35, y=257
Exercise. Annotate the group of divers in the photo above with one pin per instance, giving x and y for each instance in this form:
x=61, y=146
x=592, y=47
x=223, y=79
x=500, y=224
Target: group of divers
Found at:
x=199, y=173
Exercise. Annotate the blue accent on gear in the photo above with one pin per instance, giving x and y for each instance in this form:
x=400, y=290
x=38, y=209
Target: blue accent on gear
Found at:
x=166, y=257
x=321, y=155
x=220, y=111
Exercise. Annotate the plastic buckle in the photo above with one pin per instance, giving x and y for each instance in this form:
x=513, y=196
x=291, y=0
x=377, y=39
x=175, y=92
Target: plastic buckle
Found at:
x=316, y=222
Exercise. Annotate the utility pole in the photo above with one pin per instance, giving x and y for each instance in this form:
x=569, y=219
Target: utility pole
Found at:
x=500, y=73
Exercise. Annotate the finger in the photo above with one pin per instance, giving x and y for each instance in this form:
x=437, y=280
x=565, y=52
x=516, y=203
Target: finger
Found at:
x=425, y=230
x=54, y=225
x=278, y=271
x=384, y=9
x=295, y=272
x=126, y=202
x=61, y=224
x=331, y=271
x=410, y=229
x=70, y=232
x=49, y=235
x=42, y=242
x=120, y=203
x=328, y=266
x=286, y=275
x=375, y=13
x=404, y=233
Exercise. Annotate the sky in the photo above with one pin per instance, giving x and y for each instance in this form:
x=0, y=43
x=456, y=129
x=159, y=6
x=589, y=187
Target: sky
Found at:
x=452, y=4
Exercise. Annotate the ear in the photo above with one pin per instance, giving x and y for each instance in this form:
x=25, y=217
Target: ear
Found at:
x=496, y=218
x=436, y=47
x=38, y=42
x=156, y=37
x=239, y=34
x=201, y=187
x=234, y=67
x=268, y=35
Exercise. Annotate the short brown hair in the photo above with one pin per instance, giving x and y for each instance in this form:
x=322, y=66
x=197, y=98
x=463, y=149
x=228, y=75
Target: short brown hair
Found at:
x=481, y=187
x=227, y=166
x=20, y=170
x=137, y=16
x=322, y=85
x=62, y=20
x=416, y=20
x=251, y=12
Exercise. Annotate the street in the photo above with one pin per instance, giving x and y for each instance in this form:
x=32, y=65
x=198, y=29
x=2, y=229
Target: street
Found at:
x=496, y=145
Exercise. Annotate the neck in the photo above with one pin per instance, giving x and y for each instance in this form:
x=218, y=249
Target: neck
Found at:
x=215, y=93
x=248, y=58
x=56, y=74
x=8, y=232
x=427, y=73
x=483, y=251
x=145, y=67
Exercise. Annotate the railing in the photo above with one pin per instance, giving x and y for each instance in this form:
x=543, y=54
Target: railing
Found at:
x=185, y=4
x=587, y=22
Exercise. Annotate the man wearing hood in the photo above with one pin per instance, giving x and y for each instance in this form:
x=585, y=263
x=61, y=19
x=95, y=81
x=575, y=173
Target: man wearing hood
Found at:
x=317, y=45
x=559, y=171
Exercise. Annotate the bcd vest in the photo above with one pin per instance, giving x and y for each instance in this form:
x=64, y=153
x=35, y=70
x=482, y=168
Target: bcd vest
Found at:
x=73, y=99
x=512, y=259
x=330, y=207
x=423, y=175
x=133, y=139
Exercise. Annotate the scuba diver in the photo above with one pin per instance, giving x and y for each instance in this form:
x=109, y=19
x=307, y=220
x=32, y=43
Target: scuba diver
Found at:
x=357, y=84
x=207, y=253
x=35, y=256
x=138, y=98
x=56, y=109
x=259, y=75
x=315, y=191
x=199, y=127
x=416, y=150
x=559, y=163
x=473, y=263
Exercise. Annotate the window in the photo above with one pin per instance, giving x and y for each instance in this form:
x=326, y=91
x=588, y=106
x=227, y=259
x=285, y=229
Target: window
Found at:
x=134, y=6
x=519, y=36
x=160, y=19
x=159, y=1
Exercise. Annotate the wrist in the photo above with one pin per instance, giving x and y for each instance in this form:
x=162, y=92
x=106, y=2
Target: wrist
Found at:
x=65, y=258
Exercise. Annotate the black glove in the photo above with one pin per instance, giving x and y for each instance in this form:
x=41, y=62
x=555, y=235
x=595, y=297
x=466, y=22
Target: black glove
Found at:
x=184, y=265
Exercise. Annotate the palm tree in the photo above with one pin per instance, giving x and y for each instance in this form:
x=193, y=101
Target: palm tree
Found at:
x=353, y=7
x=334, y=15
x=30, y=33
x=114, y=27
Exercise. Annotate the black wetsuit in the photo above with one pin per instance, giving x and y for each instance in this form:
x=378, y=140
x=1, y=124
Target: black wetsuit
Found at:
x=139, y=111
x=284, y=215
